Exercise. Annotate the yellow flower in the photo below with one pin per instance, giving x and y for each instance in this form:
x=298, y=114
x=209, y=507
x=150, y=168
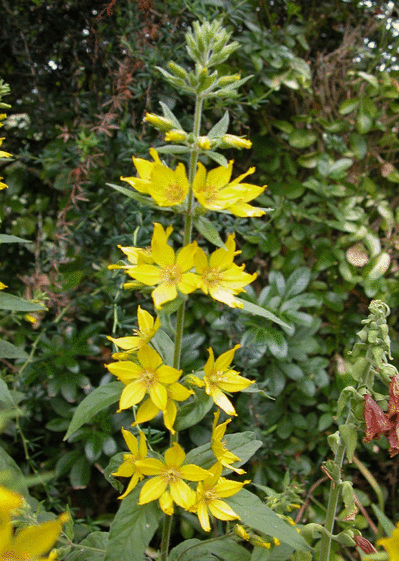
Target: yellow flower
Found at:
x=214, y=191
x=175, y=135
x=27, y=544
x=144, y=169
x=391, y=544
x=168, y=187
x=4, y=154
x=148, y=410
x=241, y=532
x=220, y=277
x=169, y=272
x=3, y=286
x=3, y=185
x=146, y=331
x=219, y=447
x=231, y=140
x=209, y=494
x=220, y=378
x=150, y=376
x=128, y=468
x=169, y=475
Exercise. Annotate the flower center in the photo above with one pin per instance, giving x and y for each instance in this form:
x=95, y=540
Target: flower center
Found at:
x=129, y=458
x=216, y=377
x=212, y=276
x=210, y=193
x=171, y=274
x=210, y=496
x=174, y=192
x=148, y=378
x=172, y=474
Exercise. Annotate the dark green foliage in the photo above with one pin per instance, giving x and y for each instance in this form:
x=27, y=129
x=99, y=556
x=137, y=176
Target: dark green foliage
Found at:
x=321, y=110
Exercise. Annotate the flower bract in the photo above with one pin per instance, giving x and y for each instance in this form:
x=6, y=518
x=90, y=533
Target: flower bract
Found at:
x=148, y=375
x=128, y=467
x=220, y=276
x=168, y=484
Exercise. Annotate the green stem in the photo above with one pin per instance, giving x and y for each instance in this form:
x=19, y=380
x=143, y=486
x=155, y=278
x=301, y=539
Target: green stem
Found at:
x=335, y=487
x=188, y=227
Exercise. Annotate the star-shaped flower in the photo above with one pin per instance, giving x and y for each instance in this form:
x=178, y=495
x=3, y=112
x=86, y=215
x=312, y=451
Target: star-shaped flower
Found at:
x=148, y=375
x=209, y=494
x=220, y=276
x=144, y=169
x=128, y=467
x=143, y=335
x=168, y=485
x=215, y=191
x=169, y=272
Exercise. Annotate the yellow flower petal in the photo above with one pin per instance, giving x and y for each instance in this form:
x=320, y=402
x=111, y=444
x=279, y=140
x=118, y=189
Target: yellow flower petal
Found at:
x=152, y=489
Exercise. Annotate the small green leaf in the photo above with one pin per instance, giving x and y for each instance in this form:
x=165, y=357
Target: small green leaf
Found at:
x=349, y=436
x=348, y=106
x=263, y=312
x=96, y=401
x=133, y=195
x=364, y=123
x=338, y=169
x=301, y=138
x=132, y=528
x=164, y=346
x=297, y=282
x=167, y=113
x=8, y=350
x=208, y=230
x=358, y=145
x=6, y=238
x=96, y=542
x=79, y=475
x=193, y=412
x=16, y=304
x=218, y=158
x=220, y=128
x=5, y=395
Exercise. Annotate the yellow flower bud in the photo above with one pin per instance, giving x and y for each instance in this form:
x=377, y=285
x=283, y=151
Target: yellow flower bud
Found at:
x=241, y=532
x=204, y=143
x=175, y=135
x=30, y=318
x=256, y=540
x=276, y=541
x=158, y=122
x=231, y=140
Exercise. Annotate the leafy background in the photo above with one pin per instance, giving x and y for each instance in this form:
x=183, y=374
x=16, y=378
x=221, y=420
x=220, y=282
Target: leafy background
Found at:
x=322, y=112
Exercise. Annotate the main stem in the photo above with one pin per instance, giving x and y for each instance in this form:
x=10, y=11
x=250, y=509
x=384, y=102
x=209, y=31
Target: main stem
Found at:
x=335, y=487
x=188, y=227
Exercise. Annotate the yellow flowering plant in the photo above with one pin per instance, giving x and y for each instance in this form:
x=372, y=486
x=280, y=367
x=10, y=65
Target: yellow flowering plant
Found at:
x=173, y=481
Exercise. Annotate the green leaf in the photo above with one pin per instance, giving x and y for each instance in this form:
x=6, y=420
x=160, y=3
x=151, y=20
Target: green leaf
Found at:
x=220, y=128
x=96, y=401
x=193, y=412
x=164, y=346
x=297, y=282
x=208, y=230
x=301, y=138
x=308, y=161
x=8, y=350
x=263, y=312
x=79, y=475
x=276, y=342
x=6, y=238
x=132, y=528
x=16, y=304
x=348, y=106
x=284, y=126
x=218, y=158
x=364, y=123
x=167, y=113
x=95, y=541
x=337, y=169
x=253, y=512
x=197, y=550
x=358, y=145
x=383, y=520
x=173, y=149
x=5, y=395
